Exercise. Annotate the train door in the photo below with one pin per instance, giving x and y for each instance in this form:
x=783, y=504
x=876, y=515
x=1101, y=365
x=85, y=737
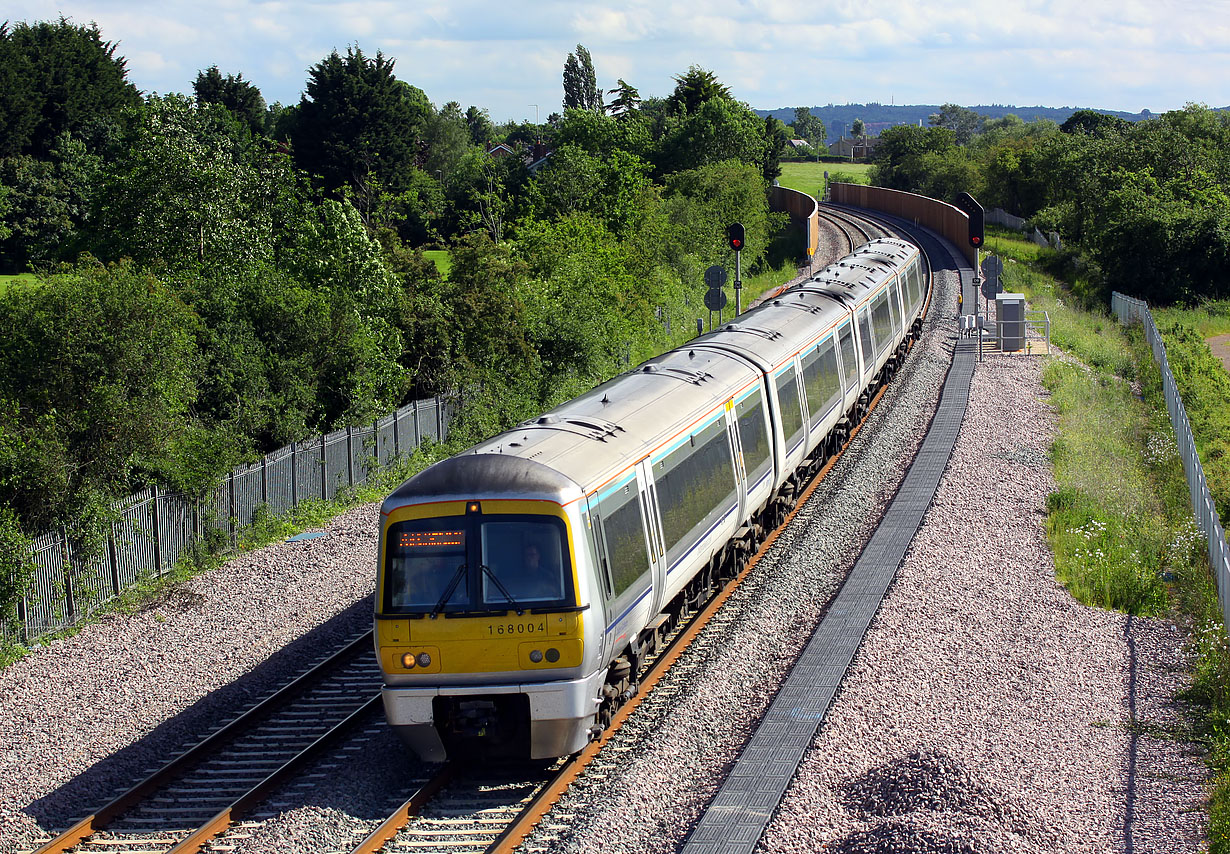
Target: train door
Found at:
x=736, y=447
x=653, y=526
x=866, y=346
x=604, y=586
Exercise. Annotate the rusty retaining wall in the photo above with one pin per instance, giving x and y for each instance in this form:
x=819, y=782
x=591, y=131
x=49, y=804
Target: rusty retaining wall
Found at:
x=802, y=208
x=934, y=214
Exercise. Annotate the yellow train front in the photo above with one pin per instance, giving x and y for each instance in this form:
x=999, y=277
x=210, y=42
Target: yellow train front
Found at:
x=481, y=611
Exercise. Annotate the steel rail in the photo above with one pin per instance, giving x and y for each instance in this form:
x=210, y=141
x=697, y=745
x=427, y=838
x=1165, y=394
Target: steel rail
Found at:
x=125, y=802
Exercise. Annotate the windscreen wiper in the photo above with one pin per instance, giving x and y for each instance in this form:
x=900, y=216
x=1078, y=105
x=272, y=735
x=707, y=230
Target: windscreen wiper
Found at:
x=448, y=592
x=486, y=569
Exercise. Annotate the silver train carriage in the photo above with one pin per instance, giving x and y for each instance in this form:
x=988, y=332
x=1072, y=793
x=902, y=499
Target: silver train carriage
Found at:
x=522, y=582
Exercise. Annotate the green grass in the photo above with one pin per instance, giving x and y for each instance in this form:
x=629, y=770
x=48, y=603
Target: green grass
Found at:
x=809, y=177
x=441, y=258
x=21, y=278
x=1209, y=319
x=1106, y=529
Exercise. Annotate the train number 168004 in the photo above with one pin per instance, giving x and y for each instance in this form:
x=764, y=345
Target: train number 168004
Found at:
x=517, y=628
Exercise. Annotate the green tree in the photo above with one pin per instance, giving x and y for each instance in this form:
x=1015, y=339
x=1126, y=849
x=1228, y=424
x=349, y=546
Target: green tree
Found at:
x=478, y=122
x=233, y=92
x=191, y=188
x=808, y=127
x=446, y=136
x=857, y=129
x=1094, y=123
x=57, y=77
x=963, y=122
x=627, y=99
x=581, y=90
x=96, y=379
x=357, y=121
x=719, y=129
x=48, y=203
x=696, y=87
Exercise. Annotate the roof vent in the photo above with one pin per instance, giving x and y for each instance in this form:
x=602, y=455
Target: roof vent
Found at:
x=549, y=419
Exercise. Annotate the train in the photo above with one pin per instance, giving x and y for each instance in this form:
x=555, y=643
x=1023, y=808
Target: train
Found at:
x=523, y=583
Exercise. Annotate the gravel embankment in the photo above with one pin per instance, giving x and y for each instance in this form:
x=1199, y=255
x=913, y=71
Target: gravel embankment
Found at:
x=985, y=711
x=89, y=715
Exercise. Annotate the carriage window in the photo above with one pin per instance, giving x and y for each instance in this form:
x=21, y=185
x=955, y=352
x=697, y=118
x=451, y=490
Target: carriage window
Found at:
x=696, y=483
x=848, y=359
x=524, y=560
x=864, y=334
x=752, y=433
x=881, y=321
x=788, y=402
x=821, y=379
x=624, y=532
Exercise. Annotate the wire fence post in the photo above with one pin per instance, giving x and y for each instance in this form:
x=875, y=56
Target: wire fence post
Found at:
x=294, y=474
x=324, y=468
x=158, y=561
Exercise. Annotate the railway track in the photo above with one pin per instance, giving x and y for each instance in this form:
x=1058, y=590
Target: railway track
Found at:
x=472, y=811
x=200, y=794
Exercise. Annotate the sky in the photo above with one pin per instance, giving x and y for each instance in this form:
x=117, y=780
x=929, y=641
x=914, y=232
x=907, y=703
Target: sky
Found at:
x=507, y=57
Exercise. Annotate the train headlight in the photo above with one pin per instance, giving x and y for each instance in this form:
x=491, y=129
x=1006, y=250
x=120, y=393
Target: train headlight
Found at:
x=536, y=655
x=552, y=655
x=407, y=661
x=424, y=659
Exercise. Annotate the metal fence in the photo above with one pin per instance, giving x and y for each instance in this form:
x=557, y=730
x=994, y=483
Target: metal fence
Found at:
x=154, y=528
x=1128, y=310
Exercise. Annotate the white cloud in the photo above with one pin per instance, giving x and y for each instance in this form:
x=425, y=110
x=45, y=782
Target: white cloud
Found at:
x=1111, y=53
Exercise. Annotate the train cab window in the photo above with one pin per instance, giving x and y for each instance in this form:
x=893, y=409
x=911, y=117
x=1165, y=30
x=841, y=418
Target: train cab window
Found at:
x=821, y=379
x=864, y=334
x=849, y=360
x=752, y=435
x=424, y=558
x=789, y=404
x=524, y=560
x=696, y=486
x=623, y=530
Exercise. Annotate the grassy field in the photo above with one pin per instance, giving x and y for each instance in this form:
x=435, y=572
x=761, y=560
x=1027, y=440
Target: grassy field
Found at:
x=1209, y=320
x=5, y=281
x=809, y=177
x=440, y=257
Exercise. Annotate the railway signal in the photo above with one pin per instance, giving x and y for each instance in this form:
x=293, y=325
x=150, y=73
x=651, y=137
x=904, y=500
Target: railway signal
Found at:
x=735, y=236
x=973, y=210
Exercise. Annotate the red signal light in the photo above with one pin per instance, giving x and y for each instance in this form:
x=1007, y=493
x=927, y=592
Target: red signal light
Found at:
x=735, y=235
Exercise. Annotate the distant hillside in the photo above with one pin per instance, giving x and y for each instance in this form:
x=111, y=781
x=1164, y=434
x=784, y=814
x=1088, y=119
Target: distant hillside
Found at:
x=838, y=118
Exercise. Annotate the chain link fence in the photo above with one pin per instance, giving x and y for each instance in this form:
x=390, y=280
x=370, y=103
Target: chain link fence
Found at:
x=154, y=528
x=1131, y=310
